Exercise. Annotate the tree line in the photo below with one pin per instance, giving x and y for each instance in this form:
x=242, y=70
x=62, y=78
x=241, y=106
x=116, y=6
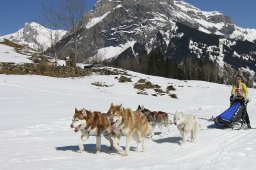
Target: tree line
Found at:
x=187, y=68
x=190, y=68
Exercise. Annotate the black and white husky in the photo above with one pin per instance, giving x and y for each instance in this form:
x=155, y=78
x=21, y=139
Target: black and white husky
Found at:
x=159, y=118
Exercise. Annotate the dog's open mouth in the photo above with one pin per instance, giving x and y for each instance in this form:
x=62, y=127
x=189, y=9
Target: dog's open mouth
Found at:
x=113, y=123
x=77, y=128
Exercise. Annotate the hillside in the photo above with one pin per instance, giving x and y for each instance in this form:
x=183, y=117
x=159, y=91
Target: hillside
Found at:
x=37, y=133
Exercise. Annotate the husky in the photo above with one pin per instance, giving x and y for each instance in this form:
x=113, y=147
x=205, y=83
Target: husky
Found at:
x=130, y=124
x=186, y=124
x=156, y=118
x=91, y=123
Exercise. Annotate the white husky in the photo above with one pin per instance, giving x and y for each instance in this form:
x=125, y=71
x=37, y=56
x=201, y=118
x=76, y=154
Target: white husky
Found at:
x=186, y=124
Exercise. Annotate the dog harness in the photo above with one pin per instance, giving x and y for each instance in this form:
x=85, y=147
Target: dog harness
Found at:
x=239, y=92
x=182, y=126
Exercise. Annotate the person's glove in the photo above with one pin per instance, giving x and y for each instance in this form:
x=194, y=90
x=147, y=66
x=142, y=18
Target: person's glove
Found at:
x=246, y=100
x=231, y=98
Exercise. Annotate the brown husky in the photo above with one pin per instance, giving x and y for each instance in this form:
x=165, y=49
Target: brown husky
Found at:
x=91, y=123
x=131, y=124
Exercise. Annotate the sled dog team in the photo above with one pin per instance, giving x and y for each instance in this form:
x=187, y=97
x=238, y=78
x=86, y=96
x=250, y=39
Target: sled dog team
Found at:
x=136, y=125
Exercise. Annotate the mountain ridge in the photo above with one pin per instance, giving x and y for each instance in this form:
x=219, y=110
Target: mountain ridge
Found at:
x=34, y=35
x=124, y=33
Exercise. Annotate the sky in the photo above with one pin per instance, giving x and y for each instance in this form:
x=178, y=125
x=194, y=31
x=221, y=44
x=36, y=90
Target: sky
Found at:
x=15, y=13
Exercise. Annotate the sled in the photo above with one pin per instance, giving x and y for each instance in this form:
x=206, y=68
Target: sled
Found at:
x=232, y=117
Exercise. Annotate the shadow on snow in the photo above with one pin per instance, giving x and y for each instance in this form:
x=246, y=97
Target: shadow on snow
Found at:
x=168, y=140
x=90, y=148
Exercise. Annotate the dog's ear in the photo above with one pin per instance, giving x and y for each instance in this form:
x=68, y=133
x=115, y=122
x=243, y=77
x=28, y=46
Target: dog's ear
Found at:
x=111, y=105
x=142, y=107
x=139, y=107
x=84, y=112
x=120, y=106
x=76, y=110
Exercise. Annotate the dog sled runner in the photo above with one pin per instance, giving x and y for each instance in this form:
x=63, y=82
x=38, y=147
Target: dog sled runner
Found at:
x=232, y=117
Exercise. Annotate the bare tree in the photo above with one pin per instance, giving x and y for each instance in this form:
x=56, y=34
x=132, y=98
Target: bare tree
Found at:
x=52, y=18
x=73, y=10
x=65, y=14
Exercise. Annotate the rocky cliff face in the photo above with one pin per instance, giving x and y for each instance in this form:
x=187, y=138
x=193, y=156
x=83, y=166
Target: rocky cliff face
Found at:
x=117, y=29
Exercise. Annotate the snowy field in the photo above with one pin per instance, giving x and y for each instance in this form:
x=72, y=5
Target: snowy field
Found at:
x=36, y=113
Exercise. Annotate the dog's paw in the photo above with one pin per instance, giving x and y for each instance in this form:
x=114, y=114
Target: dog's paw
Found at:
x=120, y=152
x=97, y=152
x=181, y=143
x=80, y=151
x=119, y=149
x=193, y=140
x=124, y=154
x=139, y=149
x=151, y=137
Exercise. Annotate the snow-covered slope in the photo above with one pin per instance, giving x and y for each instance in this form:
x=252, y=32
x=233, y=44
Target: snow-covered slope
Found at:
x=36, y=112
x=34, y=35
x=214, y=22
x=8, y=54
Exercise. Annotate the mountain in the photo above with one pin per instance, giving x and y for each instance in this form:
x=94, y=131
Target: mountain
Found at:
x=130, y=33
x=34, y=36
x=214, y=23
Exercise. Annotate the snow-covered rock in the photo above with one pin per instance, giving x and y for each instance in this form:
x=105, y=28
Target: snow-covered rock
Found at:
x=34, y=36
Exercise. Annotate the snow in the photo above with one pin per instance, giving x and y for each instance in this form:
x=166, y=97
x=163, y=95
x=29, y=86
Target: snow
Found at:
x=118, y=6
x=111, y=51
x=209, y=24
x=204, y=30
x=247, y=69
x=246, y=34
x=36, y=134
x=8, y=54
x=33, y=34
x=96, y=20
x=166, y=36
x=186, y=7
x=200, y=17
